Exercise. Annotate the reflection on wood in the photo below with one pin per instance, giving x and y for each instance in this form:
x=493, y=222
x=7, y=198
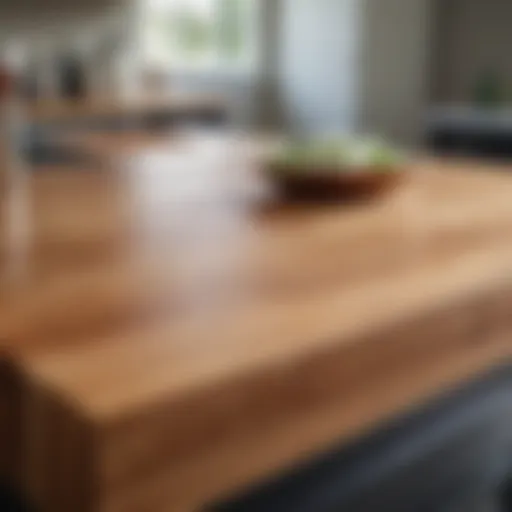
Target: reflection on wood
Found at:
x=178, y=333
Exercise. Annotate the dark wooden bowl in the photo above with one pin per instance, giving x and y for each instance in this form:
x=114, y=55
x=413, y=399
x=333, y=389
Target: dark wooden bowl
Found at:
x=331, y=184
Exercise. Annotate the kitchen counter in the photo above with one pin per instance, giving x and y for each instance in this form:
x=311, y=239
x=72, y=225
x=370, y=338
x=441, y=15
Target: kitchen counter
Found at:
x=97, y=108
x=171, y=332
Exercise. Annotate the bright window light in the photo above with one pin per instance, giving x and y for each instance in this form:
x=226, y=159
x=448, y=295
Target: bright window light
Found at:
x=201, y=34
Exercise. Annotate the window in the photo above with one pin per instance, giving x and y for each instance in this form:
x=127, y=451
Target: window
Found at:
x=201, y=34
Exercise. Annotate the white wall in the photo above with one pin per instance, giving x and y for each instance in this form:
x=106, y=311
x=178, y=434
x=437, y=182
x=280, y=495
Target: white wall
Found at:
x=319, y=71
x=357, y=65
x=474, y=36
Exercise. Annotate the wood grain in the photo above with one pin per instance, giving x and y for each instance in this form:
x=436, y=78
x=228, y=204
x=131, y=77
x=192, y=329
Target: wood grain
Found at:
x=179, y=332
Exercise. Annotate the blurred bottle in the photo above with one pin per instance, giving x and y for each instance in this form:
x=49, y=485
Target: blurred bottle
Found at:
x=72, y=79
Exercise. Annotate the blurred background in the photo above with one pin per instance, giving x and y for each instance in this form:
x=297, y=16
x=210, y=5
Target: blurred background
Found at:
x=414, y=71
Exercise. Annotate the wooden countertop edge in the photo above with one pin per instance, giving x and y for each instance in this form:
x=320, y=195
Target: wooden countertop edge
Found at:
x=241, y=463
x=247, y=458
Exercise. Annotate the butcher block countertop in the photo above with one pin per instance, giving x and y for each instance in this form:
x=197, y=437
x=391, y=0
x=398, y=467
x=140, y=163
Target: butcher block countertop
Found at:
x=171, y=332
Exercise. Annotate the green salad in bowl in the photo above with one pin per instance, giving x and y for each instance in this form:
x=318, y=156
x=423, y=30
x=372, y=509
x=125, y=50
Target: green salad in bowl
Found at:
x=343, y=155
x=341, y=166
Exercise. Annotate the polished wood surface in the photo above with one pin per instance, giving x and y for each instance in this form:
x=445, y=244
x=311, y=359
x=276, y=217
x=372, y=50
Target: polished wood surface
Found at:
x=172, y=331
x=101, y=107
